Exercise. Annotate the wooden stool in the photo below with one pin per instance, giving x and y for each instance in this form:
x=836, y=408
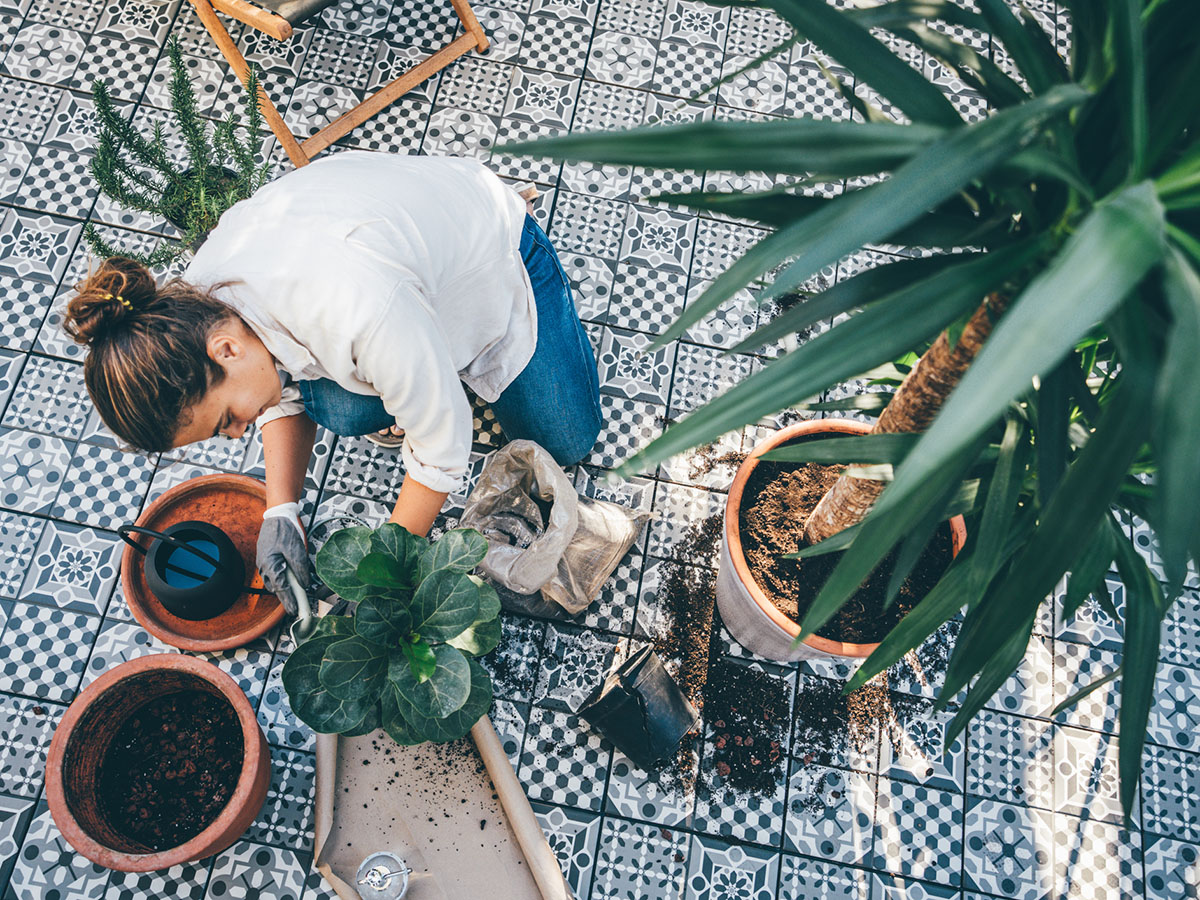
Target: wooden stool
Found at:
x=277, y=18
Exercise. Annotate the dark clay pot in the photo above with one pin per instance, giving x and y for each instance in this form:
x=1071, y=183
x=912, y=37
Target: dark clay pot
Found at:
x=641, y=709
x=86, y=732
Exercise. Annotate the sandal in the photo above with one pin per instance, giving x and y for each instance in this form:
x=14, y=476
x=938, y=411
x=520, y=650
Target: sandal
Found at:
x=388, y=437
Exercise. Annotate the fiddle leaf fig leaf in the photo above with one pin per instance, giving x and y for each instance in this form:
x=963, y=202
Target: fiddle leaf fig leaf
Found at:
x=311, y=703
x=459, y=550
x=446, y=604
x=354, y=668
x=480, y=639
x=394, y=722
x=373, y=721
x=333, y=626
x=419, y=656
x=489, y=600
x=337, y=561
x=459, y=722
x=443, y=692
x=380, y=569
x=402, y=546
x=381, y=619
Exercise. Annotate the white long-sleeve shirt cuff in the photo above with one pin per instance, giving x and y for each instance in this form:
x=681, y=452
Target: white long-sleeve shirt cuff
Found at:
x=445, y=480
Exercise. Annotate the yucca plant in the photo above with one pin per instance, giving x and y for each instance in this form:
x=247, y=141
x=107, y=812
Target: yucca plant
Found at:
x=1057, y=393
x=138, y=172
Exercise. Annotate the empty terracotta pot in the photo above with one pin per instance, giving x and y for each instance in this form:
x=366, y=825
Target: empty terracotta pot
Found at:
x=88, y=729
x=752, y=619
x=234, y=504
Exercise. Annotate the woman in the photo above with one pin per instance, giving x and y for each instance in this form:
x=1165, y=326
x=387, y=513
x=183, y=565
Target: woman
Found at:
x=354, y=293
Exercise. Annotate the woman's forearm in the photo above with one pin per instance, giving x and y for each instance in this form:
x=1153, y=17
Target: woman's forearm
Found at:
x=287, y=448
x=417, y=507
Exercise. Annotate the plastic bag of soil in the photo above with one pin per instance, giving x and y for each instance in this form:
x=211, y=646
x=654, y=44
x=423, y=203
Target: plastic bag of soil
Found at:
x=543, y=538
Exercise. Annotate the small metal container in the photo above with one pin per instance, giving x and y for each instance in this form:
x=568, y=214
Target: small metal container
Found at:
x=382, y=876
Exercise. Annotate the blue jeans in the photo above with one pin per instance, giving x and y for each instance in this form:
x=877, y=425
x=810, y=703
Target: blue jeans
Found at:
x=555, y=401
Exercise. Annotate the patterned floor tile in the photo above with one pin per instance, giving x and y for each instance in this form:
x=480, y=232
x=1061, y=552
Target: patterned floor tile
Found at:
x=676, y=508
x=275, y=715
x=573, y=662
x=73, y=568
x=650, y=796
x=629, y=425
x=573, y=836
x=723, y=810
x=515, y=664
x=594, y=179
x=103, y=487
x=26, y=108
x=1011, y=759
x=711, y=465
x=918, y=831
x=622, y=59
x=637, y=860
x=1172, y=869
x=460, y=132
x=50, y=398
x=829, y=813
x=23, y=305
x=684, y=70
x=24, y=743
x=614, y=607
x=45, y=53
x=286, y=819
x=588, y=224
x=510, y=720
x=1031, y=690
x=1075, y=667
x=914, y=746
x=564, y=761
x=48, y=867
x=248, y=870
x=824, y=734
x=1175, y=715
x=628, y=369
x=1091, y=624
x=1009, y=850
x=893, y=887
x=44, y=651
x=1171, y=795
x=1095, y=859
x=183, y=882
x=550, y=43
x=802, y=876
x=645, y=298
x=660, y=239
x=1181, y=631
x=702, y=373
x=717, y=868
x=15, y=814
x=36, y=245
x=19, y=537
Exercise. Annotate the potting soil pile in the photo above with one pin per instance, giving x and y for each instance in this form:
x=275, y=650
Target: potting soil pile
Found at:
x=543, y=538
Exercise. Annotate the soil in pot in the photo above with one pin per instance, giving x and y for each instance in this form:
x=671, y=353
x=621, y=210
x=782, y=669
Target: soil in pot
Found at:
x=171, y=768
x=777, y=501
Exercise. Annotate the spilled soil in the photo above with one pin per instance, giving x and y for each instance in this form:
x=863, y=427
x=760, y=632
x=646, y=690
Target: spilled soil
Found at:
x=171, y=768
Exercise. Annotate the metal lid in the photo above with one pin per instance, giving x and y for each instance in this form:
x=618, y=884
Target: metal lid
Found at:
x=382, y=876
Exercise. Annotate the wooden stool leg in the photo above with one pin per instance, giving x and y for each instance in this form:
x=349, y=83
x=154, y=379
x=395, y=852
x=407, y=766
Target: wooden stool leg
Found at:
x=471, y=24
x=231, y=53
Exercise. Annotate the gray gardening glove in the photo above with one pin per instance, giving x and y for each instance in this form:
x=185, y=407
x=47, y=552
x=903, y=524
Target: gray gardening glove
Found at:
x=281, y=546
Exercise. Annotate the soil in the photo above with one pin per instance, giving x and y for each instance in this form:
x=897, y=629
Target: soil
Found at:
x=777, y=501
x=748, y=713
x=171, y=768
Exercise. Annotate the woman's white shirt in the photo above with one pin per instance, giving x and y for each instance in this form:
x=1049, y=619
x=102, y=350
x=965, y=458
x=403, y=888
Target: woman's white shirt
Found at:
x=392, y=275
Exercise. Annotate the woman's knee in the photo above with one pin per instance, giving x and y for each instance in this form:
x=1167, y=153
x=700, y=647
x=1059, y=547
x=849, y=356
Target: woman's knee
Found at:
x=571, y=447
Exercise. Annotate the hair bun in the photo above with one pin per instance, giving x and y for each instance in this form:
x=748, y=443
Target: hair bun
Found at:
x=107, y=297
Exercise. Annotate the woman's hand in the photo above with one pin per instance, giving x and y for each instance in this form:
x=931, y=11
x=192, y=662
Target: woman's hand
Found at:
x=281, y=546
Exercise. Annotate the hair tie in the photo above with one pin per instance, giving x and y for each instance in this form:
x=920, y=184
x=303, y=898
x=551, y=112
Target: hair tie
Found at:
x=121, y=300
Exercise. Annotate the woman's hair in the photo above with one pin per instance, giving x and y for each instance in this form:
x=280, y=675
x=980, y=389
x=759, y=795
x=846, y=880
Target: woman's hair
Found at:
x=148, y=361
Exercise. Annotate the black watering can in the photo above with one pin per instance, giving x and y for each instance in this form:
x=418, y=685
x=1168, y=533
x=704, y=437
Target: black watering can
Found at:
x=193, y=568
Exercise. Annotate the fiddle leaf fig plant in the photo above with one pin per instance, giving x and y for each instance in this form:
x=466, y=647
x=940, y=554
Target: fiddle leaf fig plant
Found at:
x=405, y=660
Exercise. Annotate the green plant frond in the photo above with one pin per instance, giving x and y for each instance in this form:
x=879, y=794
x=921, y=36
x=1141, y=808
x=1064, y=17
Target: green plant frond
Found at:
x=978, y=71
x=186, y=112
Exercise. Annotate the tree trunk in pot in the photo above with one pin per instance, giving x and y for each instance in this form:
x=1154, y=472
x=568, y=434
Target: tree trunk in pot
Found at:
x=914, y=407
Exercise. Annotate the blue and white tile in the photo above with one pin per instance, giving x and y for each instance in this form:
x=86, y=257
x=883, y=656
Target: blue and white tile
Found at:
x=697, y=23
x=275, y=715
x=1181, y=631
x=561, y=47
x=663, y=797
x=1011, y=759
x=573, y=836
x=48, y=867
x=702, y=373
x=914, y=746
x=830, y=813
x=625, y=60
x=510, y=720
x=19, y=536
x=1091, y=624
x=637, y=860
x=588, y=224
x=1171, y=793
x=35, y=245
x=1030, y=690
x=627, y=368
x=1175, y=715
x=677, y=507
x=563, y=761
x=1009, y=850
x=1075, y=667
x=45, y=53
x=720, y=869
x=182, y=882
x=918, y=831
x=50, y=398
x=45, y=650
x=286, y=818
x=104, y=487
x=805, y=877
x=1172, y=869
x=833, y=738
x=573, y=664
x=1094, y=858
x=15, y=813
x=516, y=663
x=73, y=568
x=894, y=887
x=24, y=303
x=24, y=743
x=250, y=871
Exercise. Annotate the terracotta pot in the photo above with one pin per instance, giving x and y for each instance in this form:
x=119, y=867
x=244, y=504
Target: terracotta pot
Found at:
x=88, y=728
x=235, y=504
x=752, y=619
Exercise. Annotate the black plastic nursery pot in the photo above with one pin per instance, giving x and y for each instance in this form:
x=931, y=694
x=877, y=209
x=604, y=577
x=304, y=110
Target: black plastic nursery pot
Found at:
x=641, y=709
x=174, y=209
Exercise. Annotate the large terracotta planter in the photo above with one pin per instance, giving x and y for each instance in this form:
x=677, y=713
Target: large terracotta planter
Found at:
x=235, y=504
x=88, y=728
x=751, y=618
